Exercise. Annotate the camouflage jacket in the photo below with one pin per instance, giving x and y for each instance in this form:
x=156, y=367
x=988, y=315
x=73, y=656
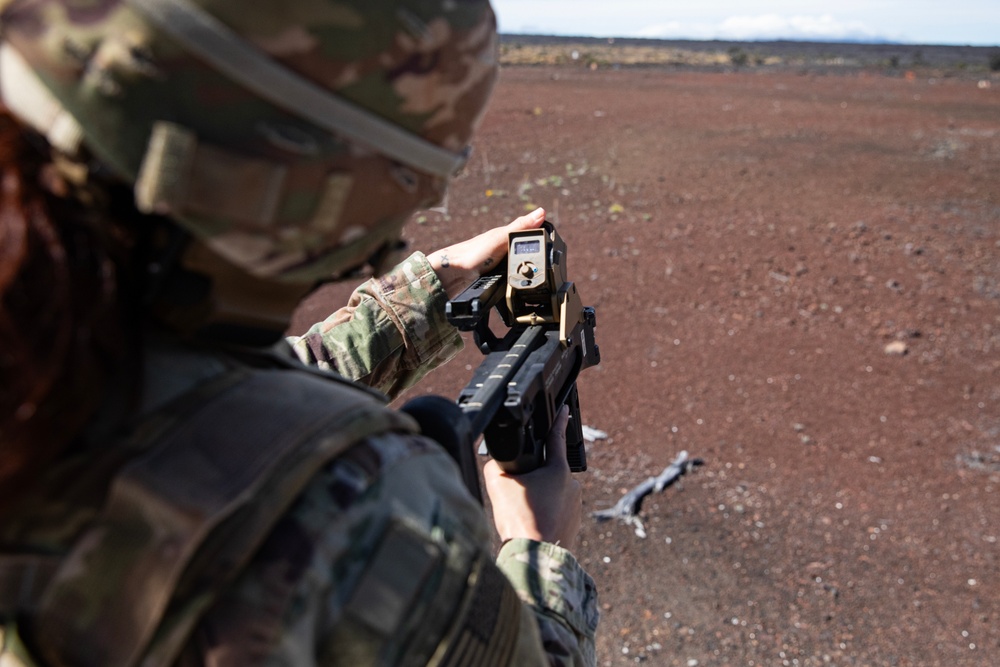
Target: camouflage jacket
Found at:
x=350, y=569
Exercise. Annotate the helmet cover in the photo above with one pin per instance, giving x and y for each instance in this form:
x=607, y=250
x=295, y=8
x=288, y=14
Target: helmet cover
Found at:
x=269, y=129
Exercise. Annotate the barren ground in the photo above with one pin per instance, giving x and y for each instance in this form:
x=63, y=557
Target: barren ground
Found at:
x=753, y=242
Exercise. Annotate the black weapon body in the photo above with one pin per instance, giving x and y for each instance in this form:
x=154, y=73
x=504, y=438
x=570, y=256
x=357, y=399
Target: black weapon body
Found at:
x=516, y=393
x=530, y=372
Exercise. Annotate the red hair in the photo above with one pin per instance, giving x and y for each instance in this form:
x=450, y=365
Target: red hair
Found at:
x=60, y=320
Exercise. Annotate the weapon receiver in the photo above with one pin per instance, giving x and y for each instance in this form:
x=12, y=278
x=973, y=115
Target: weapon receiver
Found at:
x=530, y=372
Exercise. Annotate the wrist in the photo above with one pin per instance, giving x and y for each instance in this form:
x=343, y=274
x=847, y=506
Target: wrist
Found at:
x=453, y=278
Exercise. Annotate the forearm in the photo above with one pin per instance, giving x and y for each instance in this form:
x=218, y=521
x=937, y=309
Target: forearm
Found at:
x=561, y=594
x=392, y=332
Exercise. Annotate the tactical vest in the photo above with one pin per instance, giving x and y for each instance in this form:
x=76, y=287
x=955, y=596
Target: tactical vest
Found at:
x=223, y=464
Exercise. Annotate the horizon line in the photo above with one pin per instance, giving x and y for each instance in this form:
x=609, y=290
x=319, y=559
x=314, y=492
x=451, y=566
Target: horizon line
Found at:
x=758, y=40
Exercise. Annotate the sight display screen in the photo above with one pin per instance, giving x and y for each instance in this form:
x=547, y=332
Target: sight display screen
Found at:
x=527, y=247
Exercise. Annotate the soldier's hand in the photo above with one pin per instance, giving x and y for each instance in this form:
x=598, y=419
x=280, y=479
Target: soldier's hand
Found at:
x=544, y=504
x=457, y=266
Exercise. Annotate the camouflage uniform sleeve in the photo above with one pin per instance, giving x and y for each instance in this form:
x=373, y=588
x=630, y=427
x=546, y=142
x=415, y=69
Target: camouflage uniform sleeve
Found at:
x=563, y=596
x=392, y=332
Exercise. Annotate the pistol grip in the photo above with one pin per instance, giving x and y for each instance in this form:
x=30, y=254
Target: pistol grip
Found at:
x=576, y=451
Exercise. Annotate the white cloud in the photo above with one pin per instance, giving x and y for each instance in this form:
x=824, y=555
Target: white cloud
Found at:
x=765, y=26
x=679, y=30
x=662, y=30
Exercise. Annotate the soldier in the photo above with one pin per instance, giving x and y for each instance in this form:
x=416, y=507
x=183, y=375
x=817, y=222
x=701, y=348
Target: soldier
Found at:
x=176, y=486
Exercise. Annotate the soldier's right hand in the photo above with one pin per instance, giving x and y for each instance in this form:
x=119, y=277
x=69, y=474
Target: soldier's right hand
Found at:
x=544, y=504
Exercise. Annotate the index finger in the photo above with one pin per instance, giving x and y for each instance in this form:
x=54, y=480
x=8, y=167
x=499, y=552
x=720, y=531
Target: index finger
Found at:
x=555, y=443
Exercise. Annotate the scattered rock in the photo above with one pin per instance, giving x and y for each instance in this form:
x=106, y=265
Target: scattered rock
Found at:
x=897, y=348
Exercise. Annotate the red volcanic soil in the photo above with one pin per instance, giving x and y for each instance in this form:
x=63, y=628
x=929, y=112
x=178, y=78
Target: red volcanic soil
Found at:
x=797, y=278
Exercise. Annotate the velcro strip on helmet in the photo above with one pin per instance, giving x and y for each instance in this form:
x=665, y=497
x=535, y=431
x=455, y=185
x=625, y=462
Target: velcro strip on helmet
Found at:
x=181, y=176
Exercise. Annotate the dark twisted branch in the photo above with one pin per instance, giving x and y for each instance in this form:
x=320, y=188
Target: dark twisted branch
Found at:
x=627, y=508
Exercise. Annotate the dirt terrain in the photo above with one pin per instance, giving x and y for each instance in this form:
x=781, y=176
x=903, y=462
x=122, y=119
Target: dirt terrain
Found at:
x=797, y=278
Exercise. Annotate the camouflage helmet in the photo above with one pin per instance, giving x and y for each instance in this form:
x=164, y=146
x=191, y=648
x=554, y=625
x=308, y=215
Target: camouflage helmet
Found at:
x=293, y=137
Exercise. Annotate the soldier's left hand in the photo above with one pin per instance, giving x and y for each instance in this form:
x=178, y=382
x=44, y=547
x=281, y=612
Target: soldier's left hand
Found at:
x=457, y=266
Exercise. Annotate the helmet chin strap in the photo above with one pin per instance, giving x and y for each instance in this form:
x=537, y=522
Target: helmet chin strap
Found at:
x=196, y=293
x=211, y=299
x=211, y=40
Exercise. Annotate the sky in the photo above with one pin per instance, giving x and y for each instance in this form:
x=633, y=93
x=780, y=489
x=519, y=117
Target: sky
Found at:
x=975, y=22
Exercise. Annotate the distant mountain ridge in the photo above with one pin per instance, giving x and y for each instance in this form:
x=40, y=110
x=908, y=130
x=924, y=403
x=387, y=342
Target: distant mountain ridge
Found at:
x=861, y=53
